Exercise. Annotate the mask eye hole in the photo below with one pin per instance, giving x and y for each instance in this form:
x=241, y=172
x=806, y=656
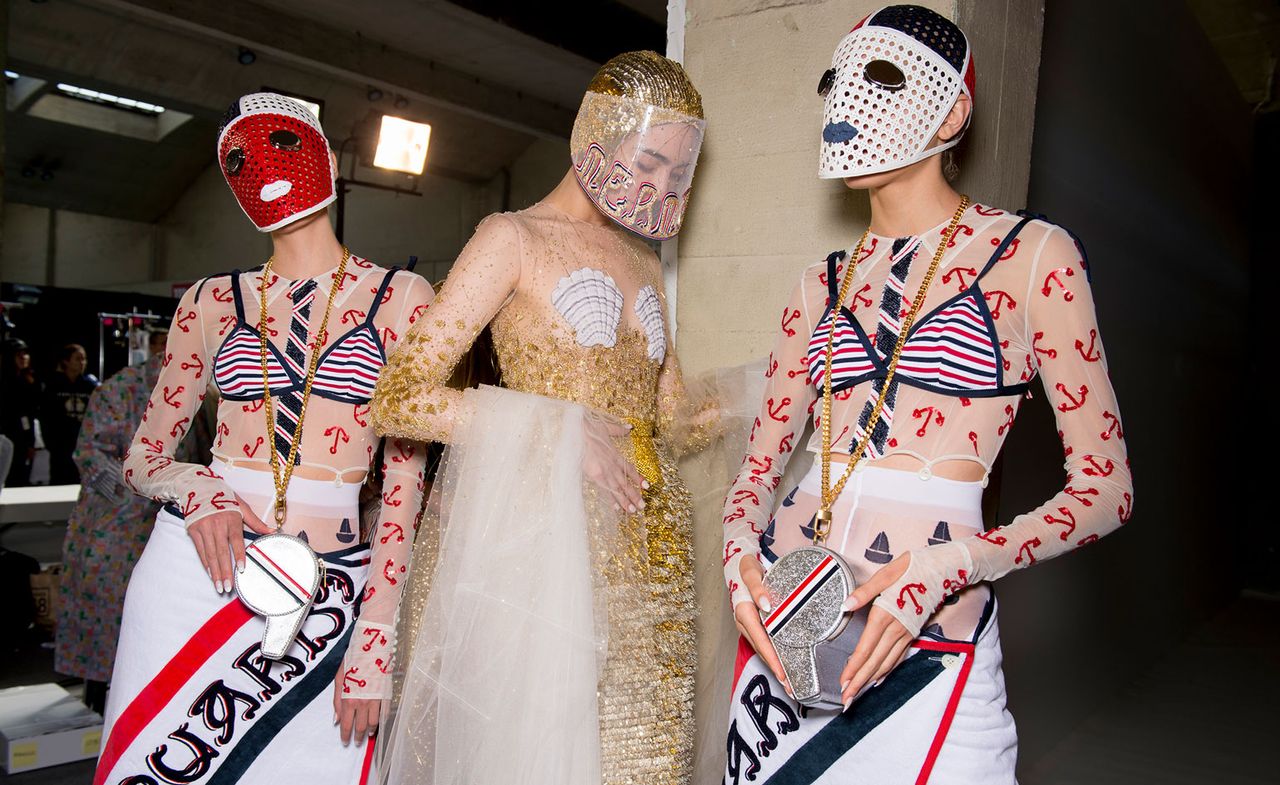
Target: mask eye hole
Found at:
x=235, y=160
x=285, y=140
x=827, y=81
x=885, y=74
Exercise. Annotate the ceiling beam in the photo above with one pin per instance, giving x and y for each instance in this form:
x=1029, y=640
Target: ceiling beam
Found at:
x=577, y=26
x=344, y=55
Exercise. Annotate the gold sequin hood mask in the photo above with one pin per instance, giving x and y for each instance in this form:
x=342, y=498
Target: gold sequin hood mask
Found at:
x=636, y=140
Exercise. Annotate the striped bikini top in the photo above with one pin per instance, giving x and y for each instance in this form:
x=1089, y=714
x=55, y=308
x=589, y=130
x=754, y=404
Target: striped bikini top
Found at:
x=952, y=350
x=346, y=371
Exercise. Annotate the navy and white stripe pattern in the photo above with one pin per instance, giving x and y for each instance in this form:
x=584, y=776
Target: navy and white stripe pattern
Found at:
x=349, y=369
x=237, y=367
x=892, y=312
x=289, y=404
x=953, y=349
x=794, y=602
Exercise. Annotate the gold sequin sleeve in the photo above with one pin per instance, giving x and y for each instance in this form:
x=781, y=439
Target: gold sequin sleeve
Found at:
x=412, y=399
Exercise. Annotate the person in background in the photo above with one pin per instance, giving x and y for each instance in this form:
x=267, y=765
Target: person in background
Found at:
x=66, y=397
x=109, y=526
x=19, y=407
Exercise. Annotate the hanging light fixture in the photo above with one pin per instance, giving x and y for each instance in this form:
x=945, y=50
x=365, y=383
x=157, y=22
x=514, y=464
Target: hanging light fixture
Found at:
x=402, y=145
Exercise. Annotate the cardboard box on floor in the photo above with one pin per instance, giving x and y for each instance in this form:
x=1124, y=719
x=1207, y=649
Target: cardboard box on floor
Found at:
x=44, y=725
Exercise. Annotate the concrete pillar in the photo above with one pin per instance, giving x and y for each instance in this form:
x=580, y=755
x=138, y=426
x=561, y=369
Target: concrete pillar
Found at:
x=760, y=214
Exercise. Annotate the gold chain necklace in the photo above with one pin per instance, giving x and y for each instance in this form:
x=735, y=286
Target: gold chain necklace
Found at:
x=822, y=522
x=282, y=483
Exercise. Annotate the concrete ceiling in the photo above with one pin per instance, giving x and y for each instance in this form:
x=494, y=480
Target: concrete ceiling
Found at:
x=485, y=79
x=1246, y=34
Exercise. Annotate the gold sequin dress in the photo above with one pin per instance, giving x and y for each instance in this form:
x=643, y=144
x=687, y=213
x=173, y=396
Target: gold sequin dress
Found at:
x=578, y=313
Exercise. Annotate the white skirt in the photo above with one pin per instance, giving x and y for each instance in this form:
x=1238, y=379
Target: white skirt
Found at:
x=939, y=717
x=193, y=701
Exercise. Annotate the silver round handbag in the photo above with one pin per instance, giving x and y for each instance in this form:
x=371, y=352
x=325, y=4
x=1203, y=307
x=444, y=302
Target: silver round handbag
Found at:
x=280, y=580
x=812, y=635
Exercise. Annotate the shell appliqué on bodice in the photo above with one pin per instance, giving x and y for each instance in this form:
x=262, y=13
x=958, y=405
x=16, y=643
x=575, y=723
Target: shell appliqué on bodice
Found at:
x=591, y=303
x=649, y=309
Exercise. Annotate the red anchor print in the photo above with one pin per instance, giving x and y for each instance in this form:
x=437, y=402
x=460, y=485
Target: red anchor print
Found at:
x=962, y=229
x=1125, y=511
x=1069, y=521
x=789, y=315
x=745, y=494
x=772, y=368
x=1113, y=428
x=223, y=431
x=182, y=320
x=1025, y=550
x=352, y=316
x=369, y=592
x=375, y=638
x=1075, y=403
x=358, y=413
x=931, y=415
x=1046, y=290
x=226, y=322
x=785, y=446
x=389, y=336
x=196, y=363
x=128, y=477
x=418, y=311
x=171, y=397
x=358, y=262
x=386, y=295
x=1029, y=372
x=1081, y=494
x=404, y=452
x=760, y=467
x=1095, y=469
x=973, y=439
x=866, y=252
x=270, y=331
x=1050, y=354
x=191, y=504
x=729, y=554
x=343, y=280
x=860, y=298
x=155, y=447
x=349, y=678
x=390, y=571
x=249, y=453
x=222, y=295
x=1066, y=448
x=390, y=500
x=987, y=211
x=909, y=593
x=776, y=409
x=994, y=536
x=338, y=433
x=960, y=273
x=843, y=433
x=1089, y=540
x=1090, y=354
x=951, y=587
x=1008, y=423
x=966, y=401
x=158, y=463
x=1005, y=360
x=393, y=530
x=252, y=406
x=168, y=358
x=384, y=666
x=179, y=428
x=205, y=471
x=1002, y=299
x=737, y=515
x=754, y=427
x=893, y=442
x=822, y=277
x=733, y=587
x=221, y=502
x=1010, y=251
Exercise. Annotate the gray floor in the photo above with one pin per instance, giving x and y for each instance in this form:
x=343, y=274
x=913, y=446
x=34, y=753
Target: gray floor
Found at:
x=1207, y=713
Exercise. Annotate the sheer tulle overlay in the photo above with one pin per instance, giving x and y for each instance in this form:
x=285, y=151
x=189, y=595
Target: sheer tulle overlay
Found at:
x=513, y=639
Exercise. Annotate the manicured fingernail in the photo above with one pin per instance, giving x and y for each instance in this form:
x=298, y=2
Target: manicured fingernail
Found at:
x=631, y=508
x=849, y=604
x=765, y=605
x=878, y=682
x=844, y=686
x=642, y=505
x=644, y=484
x=335, y=718
x=847, y=701
x=629, y=426
x=240, y=566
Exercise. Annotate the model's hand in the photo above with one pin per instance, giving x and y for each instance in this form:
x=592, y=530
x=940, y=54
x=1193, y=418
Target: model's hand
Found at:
x=606, y=467
x=884, y=641
x=357, y=718
x=747, y=616
x=219, y=540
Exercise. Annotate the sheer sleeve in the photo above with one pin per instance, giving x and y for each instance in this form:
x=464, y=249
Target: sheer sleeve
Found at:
x=781, y=420
x=368, y=663
x=688, y=410
x=150, y=468
x=412, y=399
x=1098, y=496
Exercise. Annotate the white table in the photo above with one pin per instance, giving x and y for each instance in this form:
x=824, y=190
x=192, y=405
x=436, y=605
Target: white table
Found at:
x=38, y=503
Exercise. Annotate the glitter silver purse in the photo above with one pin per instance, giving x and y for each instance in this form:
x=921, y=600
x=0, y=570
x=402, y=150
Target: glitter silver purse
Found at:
x=812, y=635
x=281, y=578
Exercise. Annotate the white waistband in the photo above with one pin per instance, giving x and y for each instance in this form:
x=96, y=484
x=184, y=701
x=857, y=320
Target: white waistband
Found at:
x=318, y=493
x=898, y=485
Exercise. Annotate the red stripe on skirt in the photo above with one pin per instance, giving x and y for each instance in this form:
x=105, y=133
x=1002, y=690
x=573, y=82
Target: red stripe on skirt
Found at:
x=369, y=744
x=161, y=689
x=947, y=716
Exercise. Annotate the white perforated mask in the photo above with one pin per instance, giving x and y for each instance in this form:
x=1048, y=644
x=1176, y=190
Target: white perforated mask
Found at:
x=887, y=93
